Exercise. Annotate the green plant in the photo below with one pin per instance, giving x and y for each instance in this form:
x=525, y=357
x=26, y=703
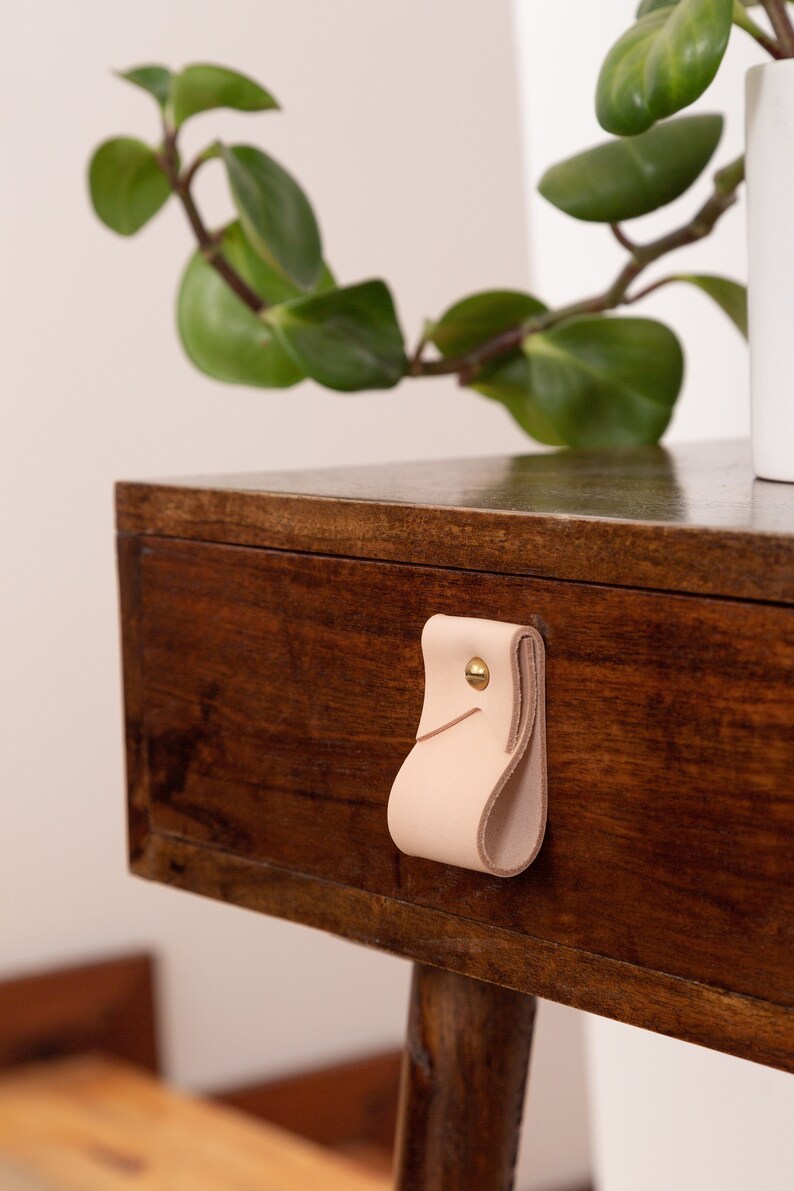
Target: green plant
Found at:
x=258, y=306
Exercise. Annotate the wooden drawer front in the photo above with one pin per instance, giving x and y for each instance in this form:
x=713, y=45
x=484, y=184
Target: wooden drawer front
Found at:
x=280, y=693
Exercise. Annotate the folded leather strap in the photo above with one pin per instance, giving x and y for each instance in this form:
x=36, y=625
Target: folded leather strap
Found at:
x=472, y=791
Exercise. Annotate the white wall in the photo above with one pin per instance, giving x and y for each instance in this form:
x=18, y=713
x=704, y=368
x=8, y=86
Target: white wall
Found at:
x=401, y=119
x=664, y=1114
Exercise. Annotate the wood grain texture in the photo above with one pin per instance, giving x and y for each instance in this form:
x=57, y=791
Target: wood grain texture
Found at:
x=93, y=1125
x=688, y=519
x=281, y=693
x=106, y=1006
x=128, y=553
x=748, y=1027
x=275, y=681
x=463, y=1081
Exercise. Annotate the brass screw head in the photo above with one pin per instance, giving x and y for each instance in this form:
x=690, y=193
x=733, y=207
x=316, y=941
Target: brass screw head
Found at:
x=477, y=674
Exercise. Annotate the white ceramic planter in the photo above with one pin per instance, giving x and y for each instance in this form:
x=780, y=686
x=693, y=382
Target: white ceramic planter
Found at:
x=770, y=221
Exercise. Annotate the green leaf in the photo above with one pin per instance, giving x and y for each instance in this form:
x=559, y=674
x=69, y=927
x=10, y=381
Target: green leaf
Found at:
x=510, y=382
x=348, y=339
x=201, y=87
x=605, y=382
x=662, y=64
x=591, y=382
x=625, y=178
x=154, y=79
x=651, y=6
x=738, y=7
x=127, y=185
x=275, y=213
x=729, y=295
x=221, y=336
x=479, y=317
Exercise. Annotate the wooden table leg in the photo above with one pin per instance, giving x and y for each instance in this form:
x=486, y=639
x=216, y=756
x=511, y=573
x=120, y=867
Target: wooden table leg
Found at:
x=463, y=1079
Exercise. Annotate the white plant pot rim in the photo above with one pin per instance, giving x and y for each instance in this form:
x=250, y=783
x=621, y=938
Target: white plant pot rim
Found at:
x=770, y=190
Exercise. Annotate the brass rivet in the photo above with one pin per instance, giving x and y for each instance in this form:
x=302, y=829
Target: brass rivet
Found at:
x=477, y=674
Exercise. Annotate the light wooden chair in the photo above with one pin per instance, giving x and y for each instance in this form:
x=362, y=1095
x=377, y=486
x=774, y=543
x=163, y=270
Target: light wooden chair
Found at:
x=77, y=1121
x=100, y=1124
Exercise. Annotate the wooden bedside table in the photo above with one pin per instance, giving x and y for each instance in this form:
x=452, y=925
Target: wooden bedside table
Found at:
x=274, y=680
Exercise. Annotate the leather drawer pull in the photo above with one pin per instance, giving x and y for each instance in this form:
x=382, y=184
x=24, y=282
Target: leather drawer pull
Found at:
x=472, y=791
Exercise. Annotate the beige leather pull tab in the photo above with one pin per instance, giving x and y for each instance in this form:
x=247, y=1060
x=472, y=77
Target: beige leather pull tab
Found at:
x=472, y=791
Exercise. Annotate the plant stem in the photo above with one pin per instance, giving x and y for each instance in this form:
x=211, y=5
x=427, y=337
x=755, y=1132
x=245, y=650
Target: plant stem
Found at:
x=630, y=299
x=424, y=339
x=726, y=183
x=180, y=185
x=742, y=18
x=621, y=237
x=781, y=23
x=190, y=172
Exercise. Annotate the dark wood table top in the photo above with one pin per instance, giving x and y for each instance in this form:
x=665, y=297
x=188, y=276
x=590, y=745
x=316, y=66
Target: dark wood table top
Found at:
x=689, y=518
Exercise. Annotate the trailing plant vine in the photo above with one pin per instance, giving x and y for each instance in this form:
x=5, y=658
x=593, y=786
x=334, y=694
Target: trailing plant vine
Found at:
x=259, y=306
